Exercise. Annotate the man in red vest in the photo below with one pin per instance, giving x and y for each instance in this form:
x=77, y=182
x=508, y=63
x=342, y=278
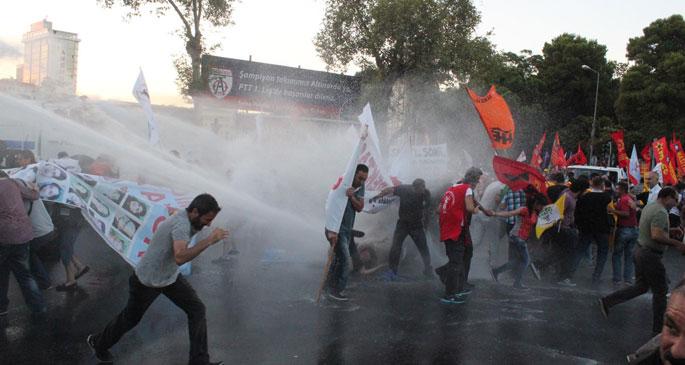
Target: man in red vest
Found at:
x=456, y=208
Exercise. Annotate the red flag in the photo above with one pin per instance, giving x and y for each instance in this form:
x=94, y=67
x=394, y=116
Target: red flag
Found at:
x=517, y=175
x=577, y=158
x=661, y=153
x=621, y=155
x=558, y=154
x=647, y=155
x=537, y=159
x=678, y=155
x=496, y=117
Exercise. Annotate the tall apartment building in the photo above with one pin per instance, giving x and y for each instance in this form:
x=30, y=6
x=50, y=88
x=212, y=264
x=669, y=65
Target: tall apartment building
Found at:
x=49, y=54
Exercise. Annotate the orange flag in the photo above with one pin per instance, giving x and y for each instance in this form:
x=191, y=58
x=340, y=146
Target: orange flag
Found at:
x=537, y=159
x=660, y=147
x=496, y=118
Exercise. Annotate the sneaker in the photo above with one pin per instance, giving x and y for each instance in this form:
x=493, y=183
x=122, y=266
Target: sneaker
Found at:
x=337, y=296
x=469, y=286
x=494, y=275
x=104, y=357
x=3, y=312
x=603, y=307
x=567, y=283
x=465, y=291
x=452, y=299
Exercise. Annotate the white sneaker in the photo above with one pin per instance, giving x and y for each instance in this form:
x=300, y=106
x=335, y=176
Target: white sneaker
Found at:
x=567, y=283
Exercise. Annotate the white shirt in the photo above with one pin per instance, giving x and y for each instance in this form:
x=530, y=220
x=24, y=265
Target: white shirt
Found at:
x=654, y=193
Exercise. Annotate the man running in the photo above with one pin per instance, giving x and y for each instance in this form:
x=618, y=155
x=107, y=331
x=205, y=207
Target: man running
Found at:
x=157, y=273
x=650, y=273
x=414, y=200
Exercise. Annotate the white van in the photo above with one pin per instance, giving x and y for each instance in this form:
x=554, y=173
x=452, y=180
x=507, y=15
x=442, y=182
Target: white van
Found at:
x=616, y=174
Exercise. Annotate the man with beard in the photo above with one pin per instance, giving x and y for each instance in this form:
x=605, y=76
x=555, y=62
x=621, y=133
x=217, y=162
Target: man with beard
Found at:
x=158, y=273
x=669, y=346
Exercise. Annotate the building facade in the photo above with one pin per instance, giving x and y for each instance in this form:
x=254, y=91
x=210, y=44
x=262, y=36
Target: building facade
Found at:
x=49, y=55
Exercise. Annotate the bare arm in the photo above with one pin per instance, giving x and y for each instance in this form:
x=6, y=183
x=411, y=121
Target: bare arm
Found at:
x=357, y=203
x=661, y=236
x=386, y=191
x=183, y=253
x=510, y=213
x=471, y=205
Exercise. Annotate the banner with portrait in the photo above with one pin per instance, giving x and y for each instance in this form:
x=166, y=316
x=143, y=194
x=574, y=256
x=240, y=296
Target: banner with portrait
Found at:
x=125, y=214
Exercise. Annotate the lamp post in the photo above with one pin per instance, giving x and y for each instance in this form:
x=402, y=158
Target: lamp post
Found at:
x=594, y=116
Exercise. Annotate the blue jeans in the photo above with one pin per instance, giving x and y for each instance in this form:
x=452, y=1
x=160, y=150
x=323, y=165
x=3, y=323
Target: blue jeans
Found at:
x=602, y=242
x=36, y=264
x=519, y=259
x=626, y=237
x=16, y=259
x=342, y=262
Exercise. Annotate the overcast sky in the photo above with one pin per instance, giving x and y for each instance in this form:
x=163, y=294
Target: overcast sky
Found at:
x=281, y=32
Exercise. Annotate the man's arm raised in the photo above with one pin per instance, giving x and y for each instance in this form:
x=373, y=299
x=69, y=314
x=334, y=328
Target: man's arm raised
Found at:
x=183, y=253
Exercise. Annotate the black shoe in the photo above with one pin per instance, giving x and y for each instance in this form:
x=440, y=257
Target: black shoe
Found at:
x=494, y=275
x=66, y=288
x=104, y=357
x=216, y=363
x=603, y=308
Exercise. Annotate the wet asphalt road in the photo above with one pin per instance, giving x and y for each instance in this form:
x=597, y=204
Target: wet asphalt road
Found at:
x=264, y=313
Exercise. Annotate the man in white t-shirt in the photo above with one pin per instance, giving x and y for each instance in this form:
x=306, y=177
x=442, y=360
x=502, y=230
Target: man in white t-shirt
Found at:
x=654, y=187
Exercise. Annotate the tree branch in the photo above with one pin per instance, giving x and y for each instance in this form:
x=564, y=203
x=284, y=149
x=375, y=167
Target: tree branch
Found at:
x=189, y=31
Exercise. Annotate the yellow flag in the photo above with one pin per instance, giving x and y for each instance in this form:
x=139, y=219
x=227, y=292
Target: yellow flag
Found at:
x=550, y=215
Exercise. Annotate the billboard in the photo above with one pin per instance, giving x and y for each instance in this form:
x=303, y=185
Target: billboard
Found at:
x=261, y=86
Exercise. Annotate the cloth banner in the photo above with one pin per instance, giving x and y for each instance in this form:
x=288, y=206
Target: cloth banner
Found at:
x=661, y=155
x=621, y=155
x=536, y=160
x=140, y=92
x=518, y=175
x=678, y=155
x=634, y=168
x=124, y=213
x=577, y=158
x=496, y=117
x=558, y=158
x=550, y=215
x=646, y=155
x=370, y=155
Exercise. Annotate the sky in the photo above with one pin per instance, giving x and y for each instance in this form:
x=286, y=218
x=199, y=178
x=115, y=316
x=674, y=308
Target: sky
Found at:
x=113, y=48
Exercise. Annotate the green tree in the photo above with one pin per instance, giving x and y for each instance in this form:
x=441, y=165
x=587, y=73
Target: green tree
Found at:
x=195, y=16
x=651, y=102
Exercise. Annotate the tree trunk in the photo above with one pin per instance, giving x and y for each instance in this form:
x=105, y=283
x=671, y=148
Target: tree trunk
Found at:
x=194, y=50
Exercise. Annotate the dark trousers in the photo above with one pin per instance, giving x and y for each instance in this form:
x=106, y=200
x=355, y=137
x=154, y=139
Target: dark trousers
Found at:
x=15, y=258
x=455, y=273
x=519, y=259
x=584, y=242
x=650, y=274
x=565, y=244
x=402, y=230
x=140, y=298
x=36, y=264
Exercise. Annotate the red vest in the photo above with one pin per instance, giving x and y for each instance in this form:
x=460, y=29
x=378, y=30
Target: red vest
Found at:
x=453, y=215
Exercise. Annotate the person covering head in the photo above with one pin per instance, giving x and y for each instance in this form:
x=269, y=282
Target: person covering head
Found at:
x=62, y=154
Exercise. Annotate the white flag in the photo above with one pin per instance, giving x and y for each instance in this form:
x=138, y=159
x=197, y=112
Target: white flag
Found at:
x=522, y=157
x=370, y=155
x=337, y=197
x=140, y=92
x=634, y=168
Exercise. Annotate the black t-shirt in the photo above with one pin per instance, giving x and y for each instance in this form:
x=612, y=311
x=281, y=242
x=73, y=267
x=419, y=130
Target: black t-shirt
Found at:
x=591, y=212
x=412, y=204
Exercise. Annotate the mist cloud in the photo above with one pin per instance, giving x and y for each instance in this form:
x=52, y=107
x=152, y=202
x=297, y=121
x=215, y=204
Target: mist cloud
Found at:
x=8, y=51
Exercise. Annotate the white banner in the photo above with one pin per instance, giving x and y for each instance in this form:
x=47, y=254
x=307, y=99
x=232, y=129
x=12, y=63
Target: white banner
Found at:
x=125, y=214
x=140, y=92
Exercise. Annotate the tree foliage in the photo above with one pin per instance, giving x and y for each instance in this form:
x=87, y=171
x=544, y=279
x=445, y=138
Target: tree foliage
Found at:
x=403, y=37
x=195, y=16
x=652, y=96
